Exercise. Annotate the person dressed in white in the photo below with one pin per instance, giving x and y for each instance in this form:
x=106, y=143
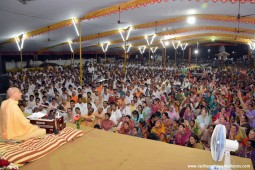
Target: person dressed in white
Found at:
x=128, y=97
x=91, y=69
x=116, y=114
x=81, y=105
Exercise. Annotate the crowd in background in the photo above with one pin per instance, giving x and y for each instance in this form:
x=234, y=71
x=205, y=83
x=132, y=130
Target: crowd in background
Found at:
x=177, y=105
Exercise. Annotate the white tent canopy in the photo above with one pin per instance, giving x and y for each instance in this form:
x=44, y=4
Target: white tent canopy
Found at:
x=48, y=22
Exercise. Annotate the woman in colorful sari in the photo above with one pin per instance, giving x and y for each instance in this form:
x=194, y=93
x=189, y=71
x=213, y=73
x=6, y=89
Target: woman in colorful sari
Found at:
x=194, y=142
x=163, y=107
x=136, y=117
x=183, y=134
x=159, y=130
x=173, y=130
x=237, y=133
x=143, y=128
x=135, y=132
x=195, y=128
x=188, y=114
x=172, y=114
x=223, y=112
x=203, y=120
x=167, y=122
x=251, y=136
x=206, y=136
x=125, y=129
x=146, y=110
x=249, y=151
x=244, y=123
x=128, y=119
x=106, y=123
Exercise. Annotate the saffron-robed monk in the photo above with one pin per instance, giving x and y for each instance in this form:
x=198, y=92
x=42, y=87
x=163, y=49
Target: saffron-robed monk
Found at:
x=13, y=124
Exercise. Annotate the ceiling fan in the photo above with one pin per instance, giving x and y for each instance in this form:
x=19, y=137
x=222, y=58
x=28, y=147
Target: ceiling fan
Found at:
x=24, y=2
x=49, y=39
x=238, y=18
x=119, y=20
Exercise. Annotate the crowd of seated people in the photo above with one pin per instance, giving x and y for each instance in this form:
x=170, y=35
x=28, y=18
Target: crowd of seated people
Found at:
x=169, y=104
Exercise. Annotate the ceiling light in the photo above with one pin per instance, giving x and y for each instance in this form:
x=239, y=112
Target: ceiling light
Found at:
x=105, y=46
x=153, y=50
x=191, y=20
x=22, y=40
x=17, y=42
x=70, y=45
x=74, y=24
x=129, y=46
x=192, y=12
x=150, y=39
x=142, y=49
x=167, y=43
x=163, y=44
x=127, y=32
x=176, y=44
x=183, y=46
x=196, y=51
x=252, y=45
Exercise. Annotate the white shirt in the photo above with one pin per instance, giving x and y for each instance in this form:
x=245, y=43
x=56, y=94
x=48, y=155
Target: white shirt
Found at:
x=115, y=116
x=91, y=69
x=129, y=99
x=82, y=106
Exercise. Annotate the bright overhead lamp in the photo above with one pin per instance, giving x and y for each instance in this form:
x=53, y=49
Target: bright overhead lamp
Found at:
x=191, y=12
x=252, y=45
x=74, y=24
x=127, y=47
x=163, y=44
x=191, y=20
x=150, y=39
x=153, y=50
x=70, y=45
x=183, y=46
x=196, y=51
x=105, y=46
x=167, y=37
x=213, y=38
x=127, y=33
x=17, y=42
x=142, y=49
x=176, y=44
x=22, y=40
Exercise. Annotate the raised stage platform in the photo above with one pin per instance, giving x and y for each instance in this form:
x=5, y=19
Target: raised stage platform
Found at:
x=97, y=150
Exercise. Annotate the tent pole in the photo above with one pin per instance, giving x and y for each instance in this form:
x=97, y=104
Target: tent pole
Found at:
x=72, y=59
x=182, y=56
x=149, y=57
x=105, y=57
x=125, y=56
x=96, y=56
x=80, y=54
x=175, y=57
x=21, y=62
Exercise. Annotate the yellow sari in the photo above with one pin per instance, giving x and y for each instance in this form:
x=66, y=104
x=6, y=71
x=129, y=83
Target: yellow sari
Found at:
x=160, y=132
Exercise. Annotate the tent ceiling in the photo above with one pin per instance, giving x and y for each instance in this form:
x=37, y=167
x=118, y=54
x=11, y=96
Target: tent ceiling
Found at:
x=17, y=18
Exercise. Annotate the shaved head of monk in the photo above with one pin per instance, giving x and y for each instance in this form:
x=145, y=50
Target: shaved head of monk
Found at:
x=14, y=93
